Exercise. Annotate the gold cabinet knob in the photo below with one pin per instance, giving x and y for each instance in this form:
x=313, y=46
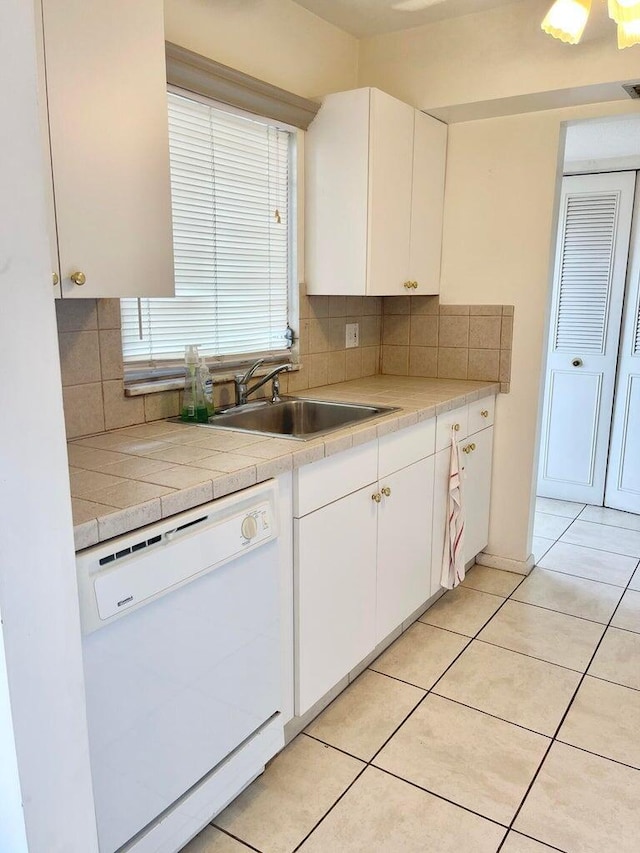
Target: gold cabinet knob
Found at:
x=55, y=278
x=414, y=284
x=466, y=448
x=484, y=413
x=377, y=497
x=386, y=491
x=408, y=285
x=78, y=278
x=456, y=427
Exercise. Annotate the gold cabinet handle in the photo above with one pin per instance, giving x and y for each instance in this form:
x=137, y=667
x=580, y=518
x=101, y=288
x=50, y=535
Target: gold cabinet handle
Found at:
x=466, y=448
x=414, y=285
x=456, y=427
x=485, y=413
x=78, y=278
x=386, y=491
x=473, y=447
x=408, y=285
x=55, y=278
x=377, y=497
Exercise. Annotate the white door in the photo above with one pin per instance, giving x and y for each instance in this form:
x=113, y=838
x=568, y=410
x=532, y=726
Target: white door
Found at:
x=588, y=291
x=404, y=544
x=107, y=98
x=390, y=182
x=335, y=553
x=427, y=202
x=623, y=474
x=476, y=457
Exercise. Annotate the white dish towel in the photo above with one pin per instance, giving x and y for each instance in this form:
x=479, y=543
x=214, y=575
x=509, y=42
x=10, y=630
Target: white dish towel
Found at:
x=453, y=555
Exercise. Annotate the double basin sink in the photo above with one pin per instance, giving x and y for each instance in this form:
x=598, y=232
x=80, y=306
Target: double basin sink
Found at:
x=295, y=418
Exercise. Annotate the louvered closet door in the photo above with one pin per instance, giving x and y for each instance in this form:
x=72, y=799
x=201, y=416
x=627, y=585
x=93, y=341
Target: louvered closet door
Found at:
x=623, y=474
x=588, y=289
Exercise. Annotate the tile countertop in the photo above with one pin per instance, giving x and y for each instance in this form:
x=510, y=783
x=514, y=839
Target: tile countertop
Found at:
x=126, y=478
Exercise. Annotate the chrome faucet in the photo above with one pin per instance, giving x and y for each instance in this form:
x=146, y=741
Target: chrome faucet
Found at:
x=242, y=379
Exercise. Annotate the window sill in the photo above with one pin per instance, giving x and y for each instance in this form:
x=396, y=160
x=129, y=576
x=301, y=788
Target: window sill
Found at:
x=150, y=385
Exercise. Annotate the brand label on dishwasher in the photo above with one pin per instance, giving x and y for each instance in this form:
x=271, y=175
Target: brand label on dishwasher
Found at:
x=181, y=556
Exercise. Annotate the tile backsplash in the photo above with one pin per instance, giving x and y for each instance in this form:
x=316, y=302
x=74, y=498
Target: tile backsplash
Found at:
x=403, y=335
x=421, y=337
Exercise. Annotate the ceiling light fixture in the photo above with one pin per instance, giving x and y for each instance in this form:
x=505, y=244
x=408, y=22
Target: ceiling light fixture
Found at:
x=566, y=20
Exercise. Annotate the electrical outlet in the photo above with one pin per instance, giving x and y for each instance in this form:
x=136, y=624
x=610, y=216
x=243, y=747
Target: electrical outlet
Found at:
x=352, y=337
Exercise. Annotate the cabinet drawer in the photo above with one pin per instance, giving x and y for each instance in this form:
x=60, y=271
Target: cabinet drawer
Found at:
x=481, y=414
x=399, y=449
x=446, y=422
x=325, y=481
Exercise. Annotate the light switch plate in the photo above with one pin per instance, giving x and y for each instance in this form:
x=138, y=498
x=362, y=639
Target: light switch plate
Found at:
x=352, y=337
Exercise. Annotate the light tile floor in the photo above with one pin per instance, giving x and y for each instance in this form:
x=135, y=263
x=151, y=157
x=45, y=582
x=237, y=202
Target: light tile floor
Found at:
x=507, y=718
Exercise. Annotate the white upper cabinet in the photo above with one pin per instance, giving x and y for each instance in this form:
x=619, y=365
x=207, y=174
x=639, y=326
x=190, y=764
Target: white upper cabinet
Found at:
x=107, y=109
x=374, y=190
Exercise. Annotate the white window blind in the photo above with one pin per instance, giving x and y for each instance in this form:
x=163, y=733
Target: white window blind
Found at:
x=230, y=189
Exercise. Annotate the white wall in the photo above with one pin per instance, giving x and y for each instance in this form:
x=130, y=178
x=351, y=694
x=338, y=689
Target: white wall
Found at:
x=500, y=53
x=274, y=40
x=499, y=231
x=41, y=672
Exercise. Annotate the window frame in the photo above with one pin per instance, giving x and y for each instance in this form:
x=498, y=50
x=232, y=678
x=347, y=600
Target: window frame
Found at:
x=168, y=374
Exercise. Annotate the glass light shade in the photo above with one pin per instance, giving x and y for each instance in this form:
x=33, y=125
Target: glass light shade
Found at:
x=624, y=11
x=628, y=33
x=566, y=20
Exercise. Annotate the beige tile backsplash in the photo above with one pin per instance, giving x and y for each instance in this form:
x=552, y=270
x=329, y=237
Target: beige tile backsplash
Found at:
x=420, y=337
x=405, y=336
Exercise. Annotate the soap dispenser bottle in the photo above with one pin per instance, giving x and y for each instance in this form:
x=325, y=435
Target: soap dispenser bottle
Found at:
x=207, y=385
x=194, y=407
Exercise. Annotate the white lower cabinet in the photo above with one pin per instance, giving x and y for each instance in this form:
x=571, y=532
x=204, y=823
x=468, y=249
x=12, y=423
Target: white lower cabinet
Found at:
x=335, y=558
x=404, y=545
x=368, y=540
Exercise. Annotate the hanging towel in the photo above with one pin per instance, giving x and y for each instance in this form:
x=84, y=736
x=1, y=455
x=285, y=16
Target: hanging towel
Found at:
x=453, y=556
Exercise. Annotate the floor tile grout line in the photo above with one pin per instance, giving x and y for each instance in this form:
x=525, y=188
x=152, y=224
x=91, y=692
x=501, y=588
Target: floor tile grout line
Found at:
x=531, y=838
x=330, y=809
x=561, y=612
x=564, y=716
x=592, y=547
x=598, y=754
x=608, y=680
x=532, y=657
x=583, y=577
x=493, y=716
x=440, y=796
x=235, y=837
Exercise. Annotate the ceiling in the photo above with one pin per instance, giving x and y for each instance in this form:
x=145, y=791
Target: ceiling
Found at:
x=370, y=17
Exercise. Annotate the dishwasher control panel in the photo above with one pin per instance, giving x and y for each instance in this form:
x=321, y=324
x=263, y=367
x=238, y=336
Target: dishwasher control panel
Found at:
x=135, y=570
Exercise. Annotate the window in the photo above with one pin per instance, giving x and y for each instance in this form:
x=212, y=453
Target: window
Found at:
x=231, y=188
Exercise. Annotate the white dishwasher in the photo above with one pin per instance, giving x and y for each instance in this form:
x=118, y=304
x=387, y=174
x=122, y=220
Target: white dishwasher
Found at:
x=182, y=662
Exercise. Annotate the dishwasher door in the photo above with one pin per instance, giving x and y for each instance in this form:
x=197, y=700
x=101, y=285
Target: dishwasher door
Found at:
x=192, y=670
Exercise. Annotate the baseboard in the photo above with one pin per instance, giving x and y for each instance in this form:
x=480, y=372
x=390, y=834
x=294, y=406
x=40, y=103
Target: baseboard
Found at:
x=506, y=564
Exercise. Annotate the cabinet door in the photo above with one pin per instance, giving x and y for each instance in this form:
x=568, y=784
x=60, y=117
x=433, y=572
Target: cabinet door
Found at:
x=427, y=203
x=477, y=490
x=390, y=181
x=404, y=545
x=335, y=579
x=106, y=87
x=336, y=182
x=46, y=157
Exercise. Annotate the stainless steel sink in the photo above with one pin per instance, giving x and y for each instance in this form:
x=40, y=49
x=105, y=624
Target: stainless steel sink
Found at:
x=295, y=418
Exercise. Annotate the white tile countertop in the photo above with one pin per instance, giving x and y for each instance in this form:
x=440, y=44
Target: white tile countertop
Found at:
x=126, y=478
